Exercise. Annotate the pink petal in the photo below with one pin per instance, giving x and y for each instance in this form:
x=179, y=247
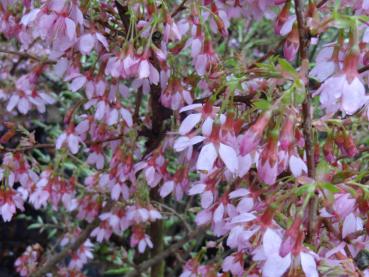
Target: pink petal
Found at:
x=191, y=107
x=144, y=69
x=351, y=224
x=244, y=165
x=189, y=123
x=243, y=218
x=238, y=193
x=86, y=43
x=61, y=67
x=71, y=28
x=218, y=213
x=207, y=126
x=275, y=266
x=245, y=205
x=115, y=192
x=113, y=117
x=287, y=26
x=353, y=96
x=203, y=217
x=100, y=110
x=229, y=157
x=200, y=64
x=271, y=242
x=297, y=166
x=166, y=189
x=77, y=83
x=197, y=189
x=196, y=47
x=24, y=105
x=142, y=246
x=60, y=140
x=181, y=143
x=206, y=157
x=83, y=127
x=73, y=141
x=154, y=75
x=207, y=199
x=12, y=102
x=103, y=40
x=127, y=116
x=308, y=265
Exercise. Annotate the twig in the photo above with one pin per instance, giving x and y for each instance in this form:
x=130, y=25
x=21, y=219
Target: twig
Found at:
x=167, y=252
x=180, y=8
x=53, y=260
x=173, y=211
x=363, y=69
x=245, y=99
x=51, y=145
x=270, y=53
x=307, y=119
x=27, y=55
x=138, y=102
x=321, y=3
x=123, y=14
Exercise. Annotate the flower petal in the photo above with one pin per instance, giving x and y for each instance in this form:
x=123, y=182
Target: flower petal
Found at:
x=206, y=157
x=229, y=157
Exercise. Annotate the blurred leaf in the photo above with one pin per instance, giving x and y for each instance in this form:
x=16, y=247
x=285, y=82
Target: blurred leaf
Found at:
x=330, y=187
x=261, y=104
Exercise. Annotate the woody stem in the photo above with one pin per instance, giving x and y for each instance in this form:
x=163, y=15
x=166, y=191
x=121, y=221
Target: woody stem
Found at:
x=307, y=118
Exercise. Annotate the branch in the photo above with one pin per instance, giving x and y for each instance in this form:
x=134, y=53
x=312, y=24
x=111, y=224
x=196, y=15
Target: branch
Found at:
x=245, y=99
x=321, y=3
x=167, y=252
x=122, y=11
x=27, y=55
x=173, y=211
x=180, y=8
x=136, y=114
x=53, y=260
x=307, y=120
x=270, y=53
x=363, y=69
x=51, y=145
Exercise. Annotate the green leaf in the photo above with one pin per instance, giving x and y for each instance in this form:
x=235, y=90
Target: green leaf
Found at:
x=52, y=233
x=118, y=271
x=303, y=189
x=261, y=104
x=287, y=67
x=34, y=226
x=330, y=187
x=341, y=176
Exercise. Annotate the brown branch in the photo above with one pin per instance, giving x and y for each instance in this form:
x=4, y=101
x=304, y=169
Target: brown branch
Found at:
x=167, y=252
x=245, y=99
x=138, y=102
x=307, y=120
x=123, y=14
x=270, y=53
x=157, y=233
x=180, y=8
x=53, y=260
x=51, y=145
x=174, y=212
x=27, y=55
x=321, y=3
x=363, y=69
